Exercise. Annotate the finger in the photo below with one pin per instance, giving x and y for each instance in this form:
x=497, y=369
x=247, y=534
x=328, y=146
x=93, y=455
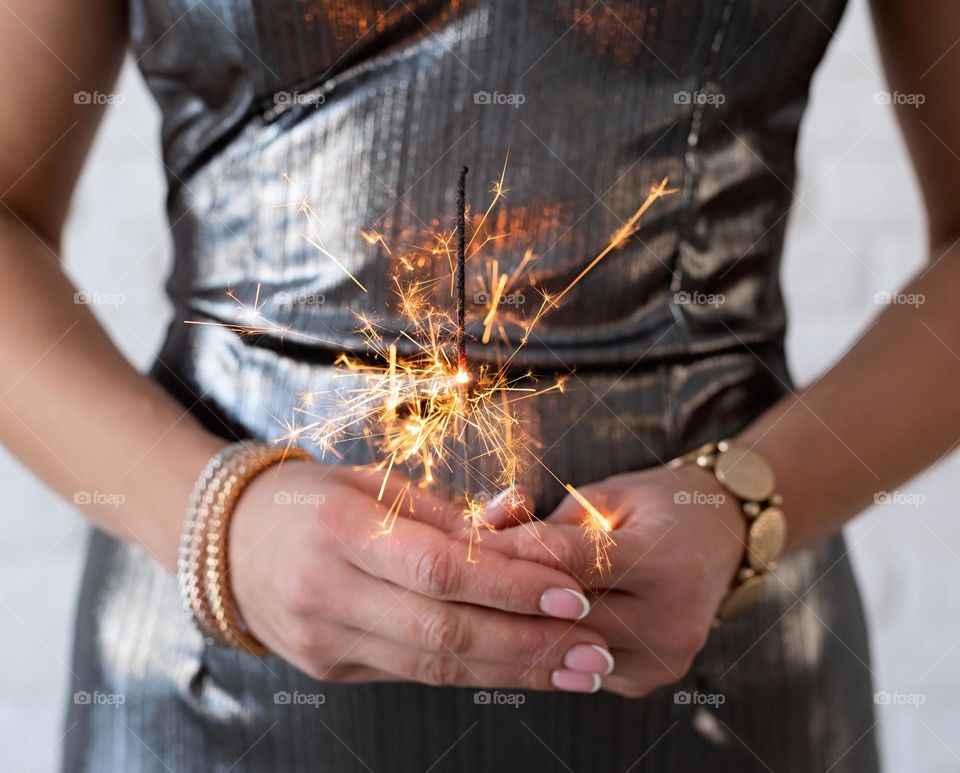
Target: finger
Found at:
x=409, y=500
x=637, y=674
x=472, y=632
x=572, y=549
x=569, y=511
x=510, y=507
x=421, y=558
x=441, y=671
x=589, y=503
x=623, y=621
x=362, y=655
x=560, y=546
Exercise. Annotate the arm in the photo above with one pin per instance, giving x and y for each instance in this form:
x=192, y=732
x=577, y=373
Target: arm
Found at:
x=71, y=408
x=890, y=407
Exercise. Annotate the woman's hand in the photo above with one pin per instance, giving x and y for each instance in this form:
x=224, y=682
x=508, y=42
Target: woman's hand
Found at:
x=679, y=540
x=317, y=582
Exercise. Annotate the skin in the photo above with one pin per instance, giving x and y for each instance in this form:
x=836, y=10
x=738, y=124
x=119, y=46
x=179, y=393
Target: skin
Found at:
x=322, y=586
x=313, y=584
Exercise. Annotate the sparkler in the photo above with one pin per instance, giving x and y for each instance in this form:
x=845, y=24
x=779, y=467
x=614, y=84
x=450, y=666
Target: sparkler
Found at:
x=420, y=410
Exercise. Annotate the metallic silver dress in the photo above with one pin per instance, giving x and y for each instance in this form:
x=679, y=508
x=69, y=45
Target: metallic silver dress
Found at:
x=369, y=109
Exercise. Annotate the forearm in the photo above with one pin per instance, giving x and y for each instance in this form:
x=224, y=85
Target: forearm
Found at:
x=886, y=411
x=79, y=416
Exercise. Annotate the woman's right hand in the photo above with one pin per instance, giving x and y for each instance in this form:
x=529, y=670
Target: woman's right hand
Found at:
x=319, y=584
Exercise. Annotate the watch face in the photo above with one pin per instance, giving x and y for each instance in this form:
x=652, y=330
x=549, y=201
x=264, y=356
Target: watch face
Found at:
x=766, y=539
x=744, y=473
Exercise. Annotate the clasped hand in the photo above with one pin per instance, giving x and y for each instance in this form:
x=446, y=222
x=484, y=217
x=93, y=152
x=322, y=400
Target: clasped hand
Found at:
x=318, y=584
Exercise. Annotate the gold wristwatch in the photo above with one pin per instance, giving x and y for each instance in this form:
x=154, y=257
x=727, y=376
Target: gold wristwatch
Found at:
x=747, y=475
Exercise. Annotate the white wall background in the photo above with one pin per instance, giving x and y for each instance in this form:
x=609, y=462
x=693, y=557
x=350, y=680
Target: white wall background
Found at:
x=856, y=230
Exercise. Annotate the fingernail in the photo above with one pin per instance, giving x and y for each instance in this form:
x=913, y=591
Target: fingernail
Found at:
x=589, y=658
x=503, y=497
x=564, y=602
x=513, y=498
x=575, y=681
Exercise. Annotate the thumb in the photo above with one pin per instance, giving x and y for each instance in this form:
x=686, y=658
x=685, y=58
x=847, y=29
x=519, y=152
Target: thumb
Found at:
x=571, y=510
x=510, y=507
x=398, y=491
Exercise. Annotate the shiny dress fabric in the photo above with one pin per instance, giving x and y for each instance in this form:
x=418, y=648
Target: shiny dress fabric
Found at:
x=369, y=109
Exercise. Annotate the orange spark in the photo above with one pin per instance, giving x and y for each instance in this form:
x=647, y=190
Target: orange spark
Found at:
x=598, y=528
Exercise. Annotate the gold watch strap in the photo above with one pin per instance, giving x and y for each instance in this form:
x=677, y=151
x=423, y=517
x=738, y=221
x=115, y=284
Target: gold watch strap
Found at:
x=747, y=476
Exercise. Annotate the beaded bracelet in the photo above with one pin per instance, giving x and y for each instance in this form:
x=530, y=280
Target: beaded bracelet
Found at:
x=203, y=564
x=193, y=538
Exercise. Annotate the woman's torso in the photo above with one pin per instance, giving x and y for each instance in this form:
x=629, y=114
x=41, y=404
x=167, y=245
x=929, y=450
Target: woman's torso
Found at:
x=369, y=110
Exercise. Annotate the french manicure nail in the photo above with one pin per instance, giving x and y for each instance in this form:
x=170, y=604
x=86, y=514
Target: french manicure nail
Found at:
x=564, y=602
x=589, y=659
x=506, y=498
x=515, y=501
x=575, y=681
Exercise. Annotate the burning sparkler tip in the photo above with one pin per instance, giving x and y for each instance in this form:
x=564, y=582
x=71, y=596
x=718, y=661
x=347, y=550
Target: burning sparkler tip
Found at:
x=598, y=528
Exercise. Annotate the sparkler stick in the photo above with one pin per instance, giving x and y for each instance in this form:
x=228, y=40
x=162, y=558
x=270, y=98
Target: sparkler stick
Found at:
x=473, y=515
x=461, y=270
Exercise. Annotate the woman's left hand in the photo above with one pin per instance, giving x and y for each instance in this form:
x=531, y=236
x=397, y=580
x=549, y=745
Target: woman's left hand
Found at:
x=679, y=540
